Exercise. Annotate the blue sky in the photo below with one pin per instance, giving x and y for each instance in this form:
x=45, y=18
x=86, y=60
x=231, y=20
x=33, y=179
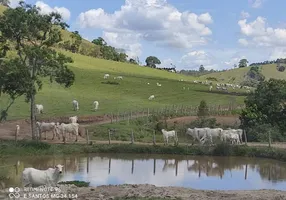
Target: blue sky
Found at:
x=216, y=34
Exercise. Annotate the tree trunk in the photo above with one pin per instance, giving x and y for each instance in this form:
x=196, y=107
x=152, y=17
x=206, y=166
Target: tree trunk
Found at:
x=33, y=117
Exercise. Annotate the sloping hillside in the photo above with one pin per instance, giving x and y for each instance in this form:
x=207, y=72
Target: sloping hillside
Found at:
x=128, y=94
x=237, y=75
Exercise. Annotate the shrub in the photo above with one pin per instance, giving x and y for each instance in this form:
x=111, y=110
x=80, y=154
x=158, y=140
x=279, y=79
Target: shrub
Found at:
x=110, y=82
x=76, y=183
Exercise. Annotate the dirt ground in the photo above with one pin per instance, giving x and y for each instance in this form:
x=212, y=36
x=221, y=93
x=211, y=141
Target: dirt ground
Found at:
x=7, y=129
x=149, y=191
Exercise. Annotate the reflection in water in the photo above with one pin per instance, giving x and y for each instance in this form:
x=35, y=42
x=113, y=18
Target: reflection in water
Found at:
x=226, y=173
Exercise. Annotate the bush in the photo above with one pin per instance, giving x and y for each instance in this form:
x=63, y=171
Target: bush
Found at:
x=76, y=183
x=111, y=82
x=33, y=144
x=211, y=79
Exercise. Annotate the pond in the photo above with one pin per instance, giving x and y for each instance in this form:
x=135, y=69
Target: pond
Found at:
x=198, y=172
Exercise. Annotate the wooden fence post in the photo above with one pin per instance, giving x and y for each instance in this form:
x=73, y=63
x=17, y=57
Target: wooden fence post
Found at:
x=269, y=138
x=154, y=137
x=16, y=134
x=148, y=112
x=132, y=137
x=111, y=118
x=109, y=137
x=245, y=138
x=87, y=136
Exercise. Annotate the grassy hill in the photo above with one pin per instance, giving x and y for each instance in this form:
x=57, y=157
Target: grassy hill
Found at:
x=130, y=94
x=269, y=71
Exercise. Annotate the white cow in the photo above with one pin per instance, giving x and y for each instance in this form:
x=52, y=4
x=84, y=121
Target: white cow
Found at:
x=106, y=76
x=158, y=84
x=75, y=105
x=151, y=97
x=44, y=127
x=71, y=128
x=167, y=134
x=39, y=108
x=203, y=133
x=193, y=134
x=32, y=177
x=231, y=135
x=96, y=104
x=211, y=87
x=73, y=119
x=119, y=77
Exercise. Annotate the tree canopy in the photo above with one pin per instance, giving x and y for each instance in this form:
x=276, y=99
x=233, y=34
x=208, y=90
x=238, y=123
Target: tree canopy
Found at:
x=31, y=35
x=266, y=106
x=152, y=61
x=242, y=63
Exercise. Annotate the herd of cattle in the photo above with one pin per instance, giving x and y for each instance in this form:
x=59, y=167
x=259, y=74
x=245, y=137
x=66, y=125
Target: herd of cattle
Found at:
x=203, y=135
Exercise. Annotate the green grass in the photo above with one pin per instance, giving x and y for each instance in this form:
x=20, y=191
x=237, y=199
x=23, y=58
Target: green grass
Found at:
x=269, y=71
x=131, y=93
x=28, y=148
x=76, y=183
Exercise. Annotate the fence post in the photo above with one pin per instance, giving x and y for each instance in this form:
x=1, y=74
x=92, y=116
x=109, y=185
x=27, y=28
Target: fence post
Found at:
x=111, y=118
x=128, y=120
x=132, y=137
x=130, y=114
x=148, y=112
x=269, y=138
x=16, y=134
x=87, y=136
x=245, y=138
x=154, y=137
x=109, y=137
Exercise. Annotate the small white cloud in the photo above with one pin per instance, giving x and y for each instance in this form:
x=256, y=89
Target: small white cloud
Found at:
x=194, y=59
x=244, y=15
x=243, y=42
x=14, y=3
x=46, y=9
x=279, y=52
x=256, y=3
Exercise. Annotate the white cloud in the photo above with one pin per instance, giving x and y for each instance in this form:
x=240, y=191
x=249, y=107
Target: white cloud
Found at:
x=124, y=41
x=46, y=9
x=14, y=3
x=166, y=63
x=243, y=42
x=194, y=59
x=260, y=34
x=256, y=3
x=151, y=20
x=244, y=14
x=279, y=52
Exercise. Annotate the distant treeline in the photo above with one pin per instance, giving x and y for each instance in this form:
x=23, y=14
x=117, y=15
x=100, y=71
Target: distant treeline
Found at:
x=199, y=73
x=267, y=62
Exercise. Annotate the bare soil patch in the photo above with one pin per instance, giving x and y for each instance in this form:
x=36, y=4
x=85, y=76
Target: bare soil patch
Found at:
x=151, y=191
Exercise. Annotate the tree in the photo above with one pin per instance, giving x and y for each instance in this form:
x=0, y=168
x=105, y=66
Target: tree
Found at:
x=131, y=60
x=203, y=110
x=32, y=36
x=5, y=2
x=99, y=41
x=76, y=42
x=266, y=106
x=235, y=66
x=152, y=61
x=242, y=63
x=201, y=69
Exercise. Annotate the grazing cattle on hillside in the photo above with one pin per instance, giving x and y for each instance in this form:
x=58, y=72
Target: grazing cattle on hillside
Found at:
x=39, y=108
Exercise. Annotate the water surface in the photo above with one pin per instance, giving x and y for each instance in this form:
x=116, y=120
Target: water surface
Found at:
x=198, y=172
